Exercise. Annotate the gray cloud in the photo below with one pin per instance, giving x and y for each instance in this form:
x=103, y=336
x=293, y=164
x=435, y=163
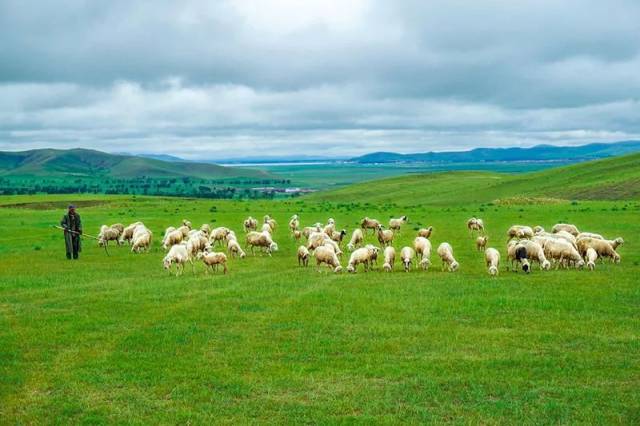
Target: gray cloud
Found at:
x=228, y=78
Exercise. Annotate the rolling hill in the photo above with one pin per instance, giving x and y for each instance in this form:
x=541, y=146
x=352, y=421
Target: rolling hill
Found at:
x=95, y=164
x=536, y=153
x=615, y=178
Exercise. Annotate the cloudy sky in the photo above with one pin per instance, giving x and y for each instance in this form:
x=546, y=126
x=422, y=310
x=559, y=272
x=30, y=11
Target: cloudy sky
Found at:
x=228, y=79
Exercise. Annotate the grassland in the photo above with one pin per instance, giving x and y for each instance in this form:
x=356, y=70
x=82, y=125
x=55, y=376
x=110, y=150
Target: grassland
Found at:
x=117, y=340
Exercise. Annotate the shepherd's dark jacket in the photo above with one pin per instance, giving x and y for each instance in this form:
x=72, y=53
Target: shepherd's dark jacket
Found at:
x=74, y=224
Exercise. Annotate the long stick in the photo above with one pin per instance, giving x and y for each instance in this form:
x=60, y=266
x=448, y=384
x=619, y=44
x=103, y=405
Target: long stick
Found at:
x=82, y=235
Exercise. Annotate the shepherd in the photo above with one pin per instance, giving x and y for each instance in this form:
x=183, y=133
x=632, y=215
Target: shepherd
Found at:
x=72, y=227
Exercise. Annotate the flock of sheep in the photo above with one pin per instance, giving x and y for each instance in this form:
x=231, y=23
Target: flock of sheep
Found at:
x=564, y=246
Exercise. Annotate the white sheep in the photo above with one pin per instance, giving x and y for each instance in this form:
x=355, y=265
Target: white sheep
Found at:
x=445, y=251
x=326, y=255
x=572, y=229
x=271, y=222
x=475, y=224
x=303, y=256
x=356, y=239
x=373, y=254
x=219, y=234
x=535, y=252
x=108, y=233
x=177, y=255
x=385, y=236
x=492, y=259
x=266, y=228
x=517, y=252
x=173, y=237
x=520, y=232
x=395, y=224
x=562, y=252
x=330, y=228
x=294, y=223
x=422, y=247
x=127, y=233
x=389, y=258
x=185, y=230
x=425, y=232
x=591, y=257
x=316, y=239
x=481, y=242
x=338, y=236
x=212, y=260
x=262, y=240
x=361, y=255
x=603, y=248
x=250, y=224
x=407, y=254
x=197, y=243
x=234, y=249
x=308, y=230
x=368, y=223
x=141, y=239
x=297, y=235
x=167, y=231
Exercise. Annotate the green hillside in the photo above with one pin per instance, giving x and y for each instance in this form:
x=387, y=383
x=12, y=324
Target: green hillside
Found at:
x=52, y=163
x=610, y=179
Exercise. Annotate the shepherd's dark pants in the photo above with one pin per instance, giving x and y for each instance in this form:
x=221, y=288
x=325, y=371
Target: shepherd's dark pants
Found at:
x=72, y=249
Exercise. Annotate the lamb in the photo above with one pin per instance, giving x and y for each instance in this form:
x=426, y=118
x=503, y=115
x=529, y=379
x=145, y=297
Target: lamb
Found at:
x=481, y=242
x=572, y=229
x=591, y=257
x=445, y=251
x=385, y=236
x=172, y=238
x=492, y=259
x=250, y=224
x=303, y=256
x=520, y=232
x=517, y=252
x=475, y=224
x=127, y=233
x=395, y=224
x=212, y=260
x=178, y=255
x=361, y=255
x=297, y=234
x=368, y=223
x=603, y=248
x=407, y=255
x=338, y=236
x=108, y=233
x=263, y=240
x=356, y=239
x=422, y=247
x=294, y=223
x=425, y=232
x=141, y=239
x=326, y=255
x=563, y=252
x=219, y=234
x=389, y=258
x=233, y=248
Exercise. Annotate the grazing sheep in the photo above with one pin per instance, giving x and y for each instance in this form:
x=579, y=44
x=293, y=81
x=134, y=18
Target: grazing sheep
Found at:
x=603, y=248
x=561, y=235
x=178, y=255
x=563, y=252
x=297, y=234
x=186, y=223
x=271, y=222
x=303, y=256
x=385, y=236
x=395, y=224
x=219, y=234
x=294, y=223
x=197, y=243
x=422, y=247
x=212, y=260
x=331, y=226
x=167, y=231
x=590, y=235
x=538, y=229
x=361, y=255
x=262, y=240
x=250, y=224
x=407, y=255
x=389, y=258
x=572, y=229
x=535, y=252
x=336, y=248
x=616, y=243
x=173, y=237
x=326, y=255
x=425, y=232
x=316, y=239
x=231, y=236
x=185, y=230
x=492, y=259
x=108, y=233
x=519, y=232
x=308, y=230
x=206, y=229
x=338, y=236
x=481, y=242
x=475, y=224
x=141, y=239
x=127, y=233
x=356, y=239
x=445, y=251
x=517, y=252
x=373, y=254
x=591, y=257
x=368, y=223
x=234, y=249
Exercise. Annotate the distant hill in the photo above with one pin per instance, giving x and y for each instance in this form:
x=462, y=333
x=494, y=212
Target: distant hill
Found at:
x=615, y=178
x=536, y=153
x=90, y=163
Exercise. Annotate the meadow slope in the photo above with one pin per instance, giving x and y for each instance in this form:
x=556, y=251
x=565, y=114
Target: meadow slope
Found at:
x=117, y=340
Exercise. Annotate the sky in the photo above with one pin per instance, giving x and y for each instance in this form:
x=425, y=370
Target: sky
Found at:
x=268, y=78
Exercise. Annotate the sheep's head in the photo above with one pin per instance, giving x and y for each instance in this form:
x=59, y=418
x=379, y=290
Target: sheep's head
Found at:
x=387, y=267
x=351, y=269
x=273, y=247
x=166, y=263
x=591, y=265
x=538, y=229
x=526, y=266
x=337, y=269
x=580, y=264
x=493, y=271
x=350, y=247
x=425, y=263
x=546, y=265
x=454, y=266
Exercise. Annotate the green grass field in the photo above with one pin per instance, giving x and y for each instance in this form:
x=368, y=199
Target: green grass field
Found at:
x=117, y=340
